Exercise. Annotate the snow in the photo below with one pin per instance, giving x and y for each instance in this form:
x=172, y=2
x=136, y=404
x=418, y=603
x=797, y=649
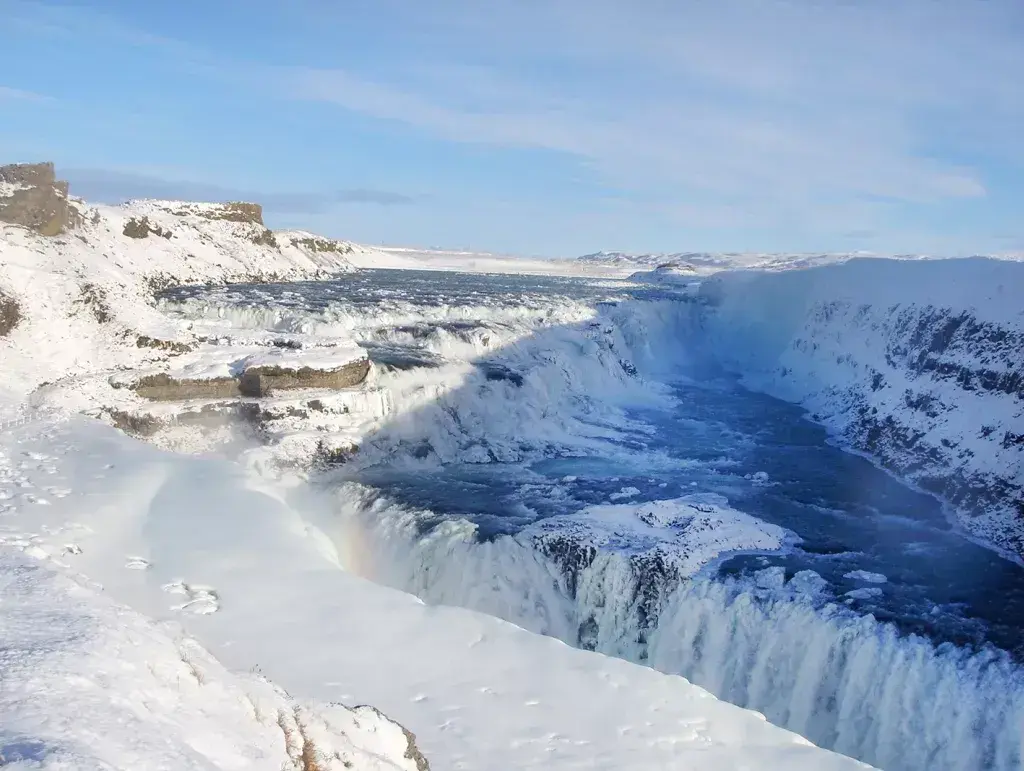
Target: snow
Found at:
x=625, y=492
x=687, y=533
x=66, y=284
x=7, y=189
x=323, y=358
x=91, y=684
x=406, y=258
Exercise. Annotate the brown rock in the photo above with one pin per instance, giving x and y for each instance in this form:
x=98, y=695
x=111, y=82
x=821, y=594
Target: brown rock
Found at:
x=145, y=341
x=233, y=211
x=10, y=314
x=262, y=381
x=141, y=228
x=39, y=201
x=165, y=388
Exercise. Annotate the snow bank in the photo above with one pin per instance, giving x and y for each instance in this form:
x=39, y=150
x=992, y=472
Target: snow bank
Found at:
x=918, y=363
x=90, y=684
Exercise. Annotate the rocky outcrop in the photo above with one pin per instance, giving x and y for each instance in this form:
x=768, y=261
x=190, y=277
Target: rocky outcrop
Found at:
x=255, y=381
x=232, y=211
x=318, y=245
x=141, y=227
x=33, y=197
x=10, y=314
x=166, y=388
x=263, y=381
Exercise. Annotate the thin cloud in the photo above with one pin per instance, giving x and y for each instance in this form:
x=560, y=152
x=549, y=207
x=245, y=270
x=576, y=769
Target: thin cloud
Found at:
x=111, y=186
x=8, y=94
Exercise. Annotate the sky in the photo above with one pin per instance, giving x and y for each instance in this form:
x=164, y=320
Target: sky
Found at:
x=541, y=127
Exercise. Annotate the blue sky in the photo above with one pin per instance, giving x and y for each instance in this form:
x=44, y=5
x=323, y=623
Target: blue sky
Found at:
x=549, y=127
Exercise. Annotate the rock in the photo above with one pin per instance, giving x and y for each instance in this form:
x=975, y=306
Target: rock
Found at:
x=233, y=211
x=317, y=245
x=164, y=388
x=10, y=314
x=145, y=341
x=134, y=424
x=263, y=380
x=265, y=237
x=31, y=196
x=256, y=381
x=141, y=228
x=239, y=211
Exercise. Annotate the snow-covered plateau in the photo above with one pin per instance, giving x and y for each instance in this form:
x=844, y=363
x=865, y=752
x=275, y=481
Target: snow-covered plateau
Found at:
x=236, y=461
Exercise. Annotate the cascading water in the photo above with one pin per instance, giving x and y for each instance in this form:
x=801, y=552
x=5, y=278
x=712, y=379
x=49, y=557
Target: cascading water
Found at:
x=786, y=649
x=512, y=406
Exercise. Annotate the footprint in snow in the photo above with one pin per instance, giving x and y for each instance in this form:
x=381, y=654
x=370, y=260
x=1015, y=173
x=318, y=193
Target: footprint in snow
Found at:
x=201, y=600
x=137, y=563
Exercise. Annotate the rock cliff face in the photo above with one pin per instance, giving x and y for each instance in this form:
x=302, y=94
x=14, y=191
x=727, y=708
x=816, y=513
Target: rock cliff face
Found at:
x=921, y=365
x=32, y=196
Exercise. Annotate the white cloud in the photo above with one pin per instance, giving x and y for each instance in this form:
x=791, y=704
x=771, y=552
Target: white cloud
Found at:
x=762, y=109
x=805, y=114
x=18, y=95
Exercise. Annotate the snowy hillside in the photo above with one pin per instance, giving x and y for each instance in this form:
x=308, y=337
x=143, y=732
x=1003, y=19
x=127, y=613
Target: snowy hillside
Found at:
x=921, y=365
x=704, y=263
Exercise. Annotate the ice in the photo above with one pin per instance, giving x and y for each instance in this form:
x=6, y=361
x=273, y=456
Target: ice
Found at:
x=866, y=593
x=322, y=358
x=865, y=575
x=625, y=492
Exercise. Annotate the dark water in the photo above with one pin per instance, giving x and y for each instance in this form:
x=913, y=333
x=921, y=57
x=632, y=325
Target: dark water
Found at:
x=848, y=514
x=424, y=288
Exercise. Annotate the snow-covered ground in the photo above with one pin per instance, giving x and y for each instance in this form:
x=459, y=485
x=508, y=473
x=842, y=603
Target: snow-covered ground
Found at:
x=406, y=258
x=123, y=563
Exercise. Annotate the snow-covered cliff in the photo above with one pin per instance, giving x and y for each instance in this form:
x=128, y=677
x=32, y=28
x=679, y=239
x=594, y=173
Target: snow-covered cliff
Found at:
x=82, y=297
x=918, y=363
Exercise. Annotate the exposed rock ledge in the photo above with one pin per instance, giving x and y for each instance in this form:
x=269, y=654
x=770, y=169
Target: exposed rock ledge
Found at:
x=31, y=196
x=254, y=381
